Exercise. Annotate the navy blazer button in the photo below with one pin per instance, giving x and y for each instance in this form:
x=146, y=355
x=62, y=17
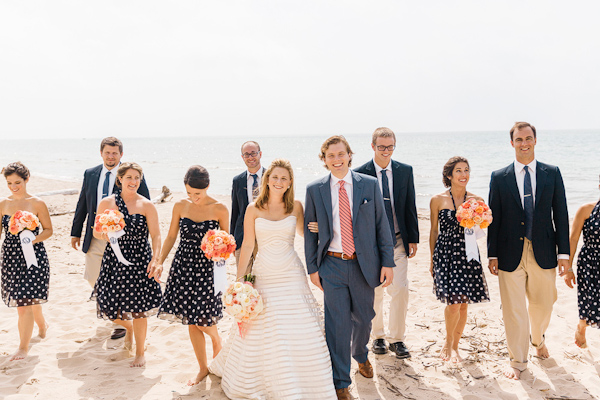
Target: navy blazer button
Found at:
x=520, y=238
x=522, y=223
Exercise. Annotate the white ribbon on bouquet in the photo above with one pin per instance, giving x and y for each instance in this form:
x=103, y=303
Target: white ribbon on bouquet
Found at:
x=26, y=237
x=114, y=243
x=471, y=236
x=219, y=276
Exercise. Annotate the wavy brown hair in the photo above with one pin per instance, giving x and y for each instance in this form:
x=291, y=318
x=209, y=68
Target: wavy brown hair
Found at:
x=16, y=168
x=126, y=166
x=288, y=197
x=449, y=169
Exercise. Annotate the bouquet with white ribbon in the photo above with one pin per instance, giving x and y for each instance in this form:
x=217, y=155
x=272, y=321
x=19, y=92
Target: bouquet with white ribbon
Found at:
x=473, y=215
x=218, y=246
x=112, y=222
x=22, y=223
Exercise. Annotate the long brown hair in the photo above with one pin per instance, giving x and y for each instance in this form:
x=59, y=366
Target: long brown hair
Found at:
x=288, y=197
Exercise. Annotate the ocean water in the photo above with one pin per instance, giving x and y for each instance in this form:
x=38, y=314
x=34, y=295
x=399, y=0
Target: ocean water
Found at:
x=165, y=160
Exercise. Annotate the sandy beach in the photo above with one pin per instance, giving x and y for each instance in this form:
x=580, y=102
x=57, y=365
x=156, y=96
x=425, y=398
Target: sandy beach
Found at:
x=77, y=360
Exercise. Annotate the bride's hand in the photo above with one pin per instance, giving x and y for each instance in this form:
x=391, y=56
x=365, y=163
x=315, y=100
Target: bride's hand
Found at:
x=313, y=227
x=314, y=278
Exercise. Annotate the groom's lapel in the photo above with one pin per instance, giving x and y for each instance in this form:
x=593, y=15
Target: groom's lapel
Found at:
x=357, y=192
x=325, y=189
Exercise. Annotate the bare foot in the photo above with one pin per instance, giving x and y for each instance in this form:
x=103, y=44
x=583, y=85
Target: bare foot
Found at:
x=19, y=355
x=580, y=337
x=138, y=362
x=455, y=358
x=128, y=341
x=201, y=375
x=512, y=373
x=445, y=353
x=542, y=352
x=42, y=331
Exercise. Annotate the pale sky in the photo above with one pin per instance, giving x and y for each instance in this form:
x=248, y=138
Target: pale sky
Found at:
x=181, y=68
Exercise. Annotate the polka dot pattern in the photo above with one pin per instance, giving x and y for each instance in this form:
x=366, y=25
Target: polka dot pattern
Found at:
x=456, y=280
x=22, y=286
x=126, y=292
x=189, y=297
x=588, y=270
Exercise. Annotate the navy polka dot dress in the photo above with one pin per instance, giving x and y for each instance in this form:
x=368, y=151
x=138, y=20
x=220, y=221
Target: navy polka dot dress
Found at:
x=189, y=297
x=588, y=270
x=456, y=280
x=22, y=286
x=125, y=292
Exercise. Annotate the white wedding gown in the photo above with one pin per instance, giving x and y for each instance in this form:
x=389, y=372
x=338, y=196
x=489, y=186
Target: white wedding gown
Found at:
x=283, y=354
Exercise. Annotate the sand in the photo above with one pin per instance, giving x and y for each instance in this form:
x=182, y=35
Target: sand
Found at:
x=77, y=360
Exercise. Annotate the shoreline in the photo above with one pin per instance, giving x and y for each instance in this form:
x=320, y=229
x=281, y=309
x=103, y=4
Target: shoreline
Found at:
x=77, y=360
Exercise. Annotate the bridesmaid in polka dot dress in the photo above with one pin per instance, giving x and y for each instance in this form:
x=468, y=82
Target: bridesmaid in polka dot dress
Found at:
x=189, y=297
x=23, y=287
x=587, y=220
x=128, y=295
x=457, y=282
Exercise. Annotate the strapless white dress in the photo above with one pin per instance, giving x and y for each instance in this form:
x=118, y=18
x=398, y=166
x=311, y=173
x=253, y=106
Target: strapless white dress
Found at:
x=283, y=354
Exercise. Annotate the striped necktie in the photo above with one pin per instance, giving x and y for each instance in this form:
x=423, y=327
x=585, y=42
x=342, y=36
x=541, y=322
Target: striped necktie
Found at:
x=346, y=222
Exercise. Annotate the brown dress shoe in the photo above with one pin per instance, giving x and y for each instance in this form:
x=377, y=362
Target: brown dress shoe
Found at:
x=343, y=394
x=365, y=369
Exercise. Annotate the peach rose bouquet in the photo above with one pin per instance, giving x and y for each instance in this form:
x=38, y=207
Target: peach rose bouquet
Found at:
x=473, y=213
x=109, y=221
x=22, y=220
x=218, y=246
x=243, y=302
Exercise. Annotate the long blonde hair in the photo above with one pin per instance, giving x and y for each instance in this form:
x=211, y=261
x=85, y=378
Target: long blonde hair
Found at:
x=288, y=197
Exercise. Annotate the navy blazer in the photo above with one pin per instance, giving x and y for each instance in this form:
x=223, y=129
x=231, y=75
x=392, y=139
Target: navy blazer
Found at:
x=88, y=204
x=550, y=218
x=372, y=236
x=239, y=203
x=404, y=199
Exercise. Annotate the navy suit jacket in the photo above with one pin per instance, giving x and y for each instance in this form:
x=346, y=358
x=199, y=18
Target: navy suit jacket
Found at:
x=404, y=199
x=88, y=203
x=550, y=218
x=239, y=203
x=372, y=236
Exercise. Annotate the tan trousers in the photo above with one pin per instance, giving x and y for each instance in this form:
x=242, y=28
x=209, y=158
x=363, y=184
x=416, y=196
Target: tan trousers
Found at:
x=398, y=290
x=252, y=258
x=93, y=260
x=529, y=281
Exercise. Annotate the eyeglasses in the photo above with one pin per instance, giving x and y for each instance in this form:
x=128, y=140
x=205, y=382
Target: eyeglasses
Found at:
x=248, y=155
x=388, y=148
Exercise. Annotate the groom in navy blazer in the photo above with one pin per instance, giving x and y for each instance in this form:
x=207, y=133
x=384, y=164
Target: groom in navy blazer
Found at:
x=351, y=254
x=531, y=223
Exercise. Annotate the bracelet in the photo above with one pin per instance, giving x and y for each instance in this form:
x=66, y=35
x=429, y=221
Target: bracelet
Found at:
x=570, y=270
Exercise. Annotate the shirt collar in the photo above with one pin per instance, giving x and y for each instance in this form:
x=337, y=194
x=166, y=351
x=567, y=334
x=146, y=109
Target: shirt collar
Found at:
x=259, y=173
x=519, y=167
x=347, y=179
x=378, y=169
x=112, y=171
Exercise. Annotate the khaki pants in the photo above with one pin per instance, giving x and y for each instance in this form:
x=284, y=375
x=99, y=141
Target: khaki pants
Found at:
x=252, y=258
x=398, y=290
x=93, y=260
x=529, y=281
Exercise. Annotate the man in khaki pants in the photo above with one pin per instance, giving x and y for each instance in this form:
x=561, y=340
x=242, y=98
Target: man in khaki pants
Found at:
x=529, y=207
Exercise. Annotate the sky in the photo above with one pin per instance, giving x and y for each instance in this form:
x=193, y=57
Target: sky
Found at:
x=73, y=69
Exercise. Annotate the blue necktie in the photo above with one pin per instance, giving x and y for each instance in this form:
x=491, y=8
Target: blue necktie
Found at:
x=528, y=205
x=254, y=186
x=106, y=185
x=387, y=202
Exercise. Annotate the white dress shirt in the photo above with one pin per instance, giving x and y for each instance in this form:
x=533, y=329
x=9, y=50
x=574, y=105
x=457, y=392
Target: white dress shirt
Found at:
x=111, y=182
x=336, y=241
x=250, y=181
x=520, y=175
x=390, y=177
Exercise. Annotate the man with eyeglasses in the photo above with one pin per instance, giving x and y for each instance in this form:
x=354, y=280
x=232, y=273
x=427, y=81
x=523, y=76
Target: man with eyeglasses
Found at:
x=246, y=187
x=397, y=186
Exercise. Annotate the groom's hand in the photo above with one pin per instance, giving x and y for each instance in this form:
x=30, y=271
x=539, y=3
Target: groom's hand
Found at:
x=387, y=274
x=314, y=278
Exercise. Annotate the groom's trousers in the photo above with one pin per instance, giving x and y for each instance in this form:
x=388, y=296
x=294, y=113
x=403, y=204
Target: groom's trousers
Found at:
x=348, y=314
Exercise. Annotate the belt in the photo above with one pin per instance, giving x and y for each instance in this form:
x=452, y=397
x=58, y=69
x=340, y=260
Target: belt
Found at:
x=342, y=255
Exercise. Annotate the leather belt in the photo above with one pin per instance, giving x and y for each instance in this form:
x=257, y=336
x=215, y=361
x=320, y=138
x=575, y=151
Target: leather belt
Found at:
x=342, y=255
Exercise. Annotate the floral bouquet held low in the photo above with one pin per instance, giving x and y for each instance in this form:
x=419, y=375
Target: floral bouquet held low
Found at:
x=112, y=223
x=23, y=223
x=243, y=302
x=218, y=246
x=473, y=215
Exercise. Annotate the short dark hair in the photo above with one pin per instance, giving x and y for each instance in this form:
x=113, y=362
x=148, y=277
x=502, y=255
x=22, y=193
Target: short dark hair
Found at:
x=521, y=125
x=449, y=168
x=197, y=177
x=111, y=141
x=335, y=140
x=16, y=168
x=250, y=142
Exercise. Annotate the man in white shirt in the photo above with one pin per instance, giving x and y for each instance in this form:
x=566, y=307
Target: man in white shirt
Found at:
x=531, y=221
x=98, y=183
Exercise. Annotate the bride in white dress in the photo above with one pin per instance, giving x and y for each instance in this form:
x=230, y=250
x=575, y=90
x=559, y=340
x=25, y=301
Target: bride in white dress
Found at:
x=283, y=354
